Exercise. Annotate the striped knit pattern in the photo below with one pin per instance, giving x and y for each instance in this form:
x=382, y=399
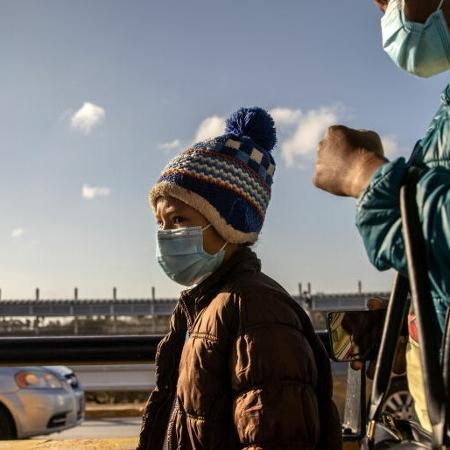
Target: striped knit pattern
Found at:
x=223, y=172
x=232, y=175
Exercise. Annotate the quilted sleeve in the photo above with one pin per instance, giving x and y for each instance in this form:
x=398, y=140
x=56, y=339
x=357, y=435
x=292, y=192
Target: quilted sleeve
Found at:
x=379, y=223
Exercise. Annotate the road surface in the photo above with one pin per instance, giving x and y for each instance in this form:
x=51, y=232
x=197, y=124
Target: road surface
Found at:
x=114, y=427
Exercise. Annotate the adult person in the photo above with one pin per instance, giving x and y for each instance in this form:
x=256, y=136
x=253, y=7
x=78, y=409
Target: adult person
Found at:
x=241, y=367
x=349, y=162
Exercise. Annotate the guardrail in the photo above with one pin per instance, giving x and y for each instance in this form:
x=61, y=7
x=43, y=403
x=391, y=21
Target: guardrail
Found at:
x=69, y=350
x=158, y=307
x=116, y=377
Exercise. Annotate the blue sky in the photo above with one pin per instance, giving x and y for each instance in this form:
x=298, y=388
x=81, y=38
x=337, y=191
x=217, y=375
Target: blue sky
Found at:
x=97, y=95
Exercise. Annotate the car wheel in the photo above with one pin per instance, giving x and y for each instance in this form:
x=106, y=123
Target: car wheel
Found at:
x=7, y=425
x=399, y=402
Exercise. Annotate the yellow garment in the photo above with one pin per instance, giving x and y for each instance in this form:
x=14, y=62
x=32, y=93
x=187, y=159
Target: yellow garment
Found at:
x=342, y=341
x=415, y=383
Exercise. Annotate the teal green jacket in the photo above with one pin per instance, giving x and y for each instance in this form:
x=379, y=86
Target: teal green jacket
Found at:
x=378, y=208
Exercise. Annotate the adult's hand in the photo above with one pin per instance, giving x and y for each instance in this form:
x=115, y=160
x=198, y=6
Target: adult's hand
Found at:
x=347, y=159
x=366, y=330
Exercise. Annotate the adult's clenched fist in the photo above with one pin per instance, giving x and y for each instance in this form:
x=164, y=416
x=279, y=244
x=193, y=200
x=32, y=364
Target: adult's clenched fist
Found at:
x=347, y=159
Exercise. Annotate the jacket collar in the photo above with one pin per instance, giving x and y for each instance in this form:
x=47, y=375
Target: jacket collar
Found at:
x=195, y=299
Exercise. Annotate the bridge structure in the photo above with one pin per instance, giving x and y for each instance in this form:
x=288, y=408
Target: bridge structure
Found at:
x=160, y=307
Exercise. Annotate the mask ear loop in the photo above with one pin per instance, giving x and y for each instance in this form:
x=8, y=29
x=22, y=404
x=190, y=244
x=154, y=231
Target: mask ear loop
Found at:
x=226, y=242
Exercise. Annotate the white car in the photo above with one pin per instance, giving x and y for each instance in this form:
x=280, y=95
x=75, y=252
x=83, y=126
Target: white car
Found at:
x=39, y=400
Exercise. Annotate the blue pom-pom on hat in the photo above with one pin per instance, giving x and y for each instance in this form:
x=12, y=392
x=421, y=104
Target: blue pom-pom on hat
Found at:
x=256, y=123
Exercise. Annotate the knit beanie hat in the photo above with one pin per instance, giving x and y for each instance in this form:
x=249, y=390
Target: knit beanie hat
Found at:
x=226, y=179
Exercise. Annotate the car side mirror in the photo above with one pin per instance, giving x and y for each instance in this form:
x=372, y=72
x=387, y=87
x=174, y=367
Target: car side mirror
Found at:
x=354, y=335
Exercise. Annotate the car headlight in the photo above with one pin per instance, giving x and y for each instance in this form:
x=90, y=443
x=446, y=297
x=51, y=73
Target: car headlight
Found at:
x=33, y=379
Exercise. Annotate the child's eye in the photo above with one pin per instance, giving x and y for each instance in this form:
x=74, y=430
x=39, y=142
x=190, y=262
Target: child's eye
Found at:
x=178, y=220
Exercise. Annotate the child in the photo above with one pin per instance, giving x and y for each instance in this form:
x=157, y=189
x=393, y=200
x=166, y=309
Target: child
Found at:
x=241, y=366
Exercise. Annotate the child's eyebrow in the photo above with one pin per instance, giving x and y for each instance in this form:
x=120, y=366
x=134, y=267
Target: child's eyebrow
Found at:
x=175, y=209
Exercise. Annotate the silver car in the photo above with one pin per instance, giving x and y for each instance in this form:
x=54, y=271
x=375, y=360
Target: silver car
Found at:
x=38, y=400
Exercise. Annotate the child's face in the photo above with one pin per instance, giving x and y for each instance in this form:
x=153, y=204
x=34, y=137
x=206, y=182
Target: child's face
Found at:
x=172, y=214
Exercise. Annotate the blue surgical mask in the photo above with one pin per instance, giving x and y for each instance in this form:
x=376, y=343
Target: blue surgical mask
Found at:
x=422, y=49
x=181, y=254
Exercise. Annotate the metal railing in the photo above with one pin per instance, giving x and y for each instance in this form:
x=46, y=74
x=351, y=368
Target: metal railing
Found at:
x=158, y=307
x=69, y=350
x=77, y=350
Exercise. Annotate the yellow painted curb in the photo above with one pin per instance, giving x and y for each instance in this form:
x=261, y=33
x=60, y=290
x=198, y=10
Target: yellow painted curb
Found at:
x=114, y=411
x=71, y=444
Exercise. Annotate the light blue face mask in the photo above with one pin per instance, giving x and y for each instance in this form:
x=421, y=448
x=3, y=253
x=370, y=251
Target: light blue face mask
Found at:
x=422, y=49
x=181, y=254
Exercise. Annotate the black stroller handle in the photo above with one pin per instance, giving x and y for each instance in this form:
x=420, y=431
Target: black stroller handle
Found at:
x=430, y=335
x=395, y=316
x=436, y=376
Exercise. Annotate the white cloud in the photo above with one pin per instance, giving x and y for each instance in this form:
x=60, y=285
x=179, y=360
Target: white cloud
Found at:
x=391, y=146
x=87, y=117
x=300, y=132
x=172, y=145
x=90, y=192
x=211, y=127
x=17, y=233
x=285, y=116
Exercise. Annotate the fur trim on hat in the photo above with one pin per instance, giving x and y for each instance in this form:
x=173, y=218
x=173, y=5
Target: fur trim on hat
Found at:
x=205, y=208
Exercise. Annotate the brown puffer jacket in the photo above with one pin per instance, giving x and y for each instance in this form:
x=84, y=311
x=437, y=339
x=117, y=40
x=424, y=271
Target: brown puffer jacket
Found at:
x=251, y=374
